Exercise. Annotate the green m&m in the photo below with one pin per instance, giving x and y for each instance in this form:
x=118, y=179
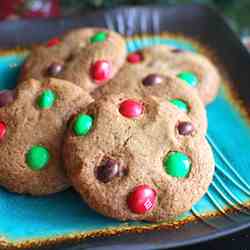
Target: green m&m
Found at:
x=180, y=105
x=47, y=99
x=189, y=77
x=82, y=124
x=177, y=164
x=37, y=157
x=99, y=37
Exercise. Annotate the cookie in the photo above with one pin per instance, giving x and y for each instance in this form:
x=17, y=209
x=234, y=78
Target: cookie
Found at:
x=32, y=124
x=194, y=69
x=144, y=80
x=88, y=57
x=137, y=159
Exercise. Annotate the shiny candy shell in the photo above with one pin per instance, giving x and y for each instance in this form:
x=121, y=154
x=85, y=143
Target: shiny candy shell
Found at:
x=53, y=42
x=189, y=77
x=185, y=128
x=136, y=57
x=131, y=108
x=107, y=171
x=82, y=124
x=152, y=79
x=100, y=71
x=142, y=199
x=177, y=164
x=47, y=99
x=183, y=106
x=99, y=37
x=37, y=157
x=55, y=69
x=2, y=129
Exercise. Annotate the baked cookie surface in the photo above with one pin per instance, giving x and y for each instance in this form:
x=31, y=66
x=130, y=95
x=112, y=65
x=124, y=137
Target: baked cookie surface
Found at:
x=88, y=57
x=194, y=69
x=137, y=159
x=33, y=120
x=150, y=80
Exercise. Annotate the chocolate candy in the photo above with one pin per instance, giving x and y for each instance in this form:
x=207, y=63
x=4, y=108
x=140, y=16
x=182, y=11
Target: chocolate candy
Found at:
x=82, y=124
x=108, y=170
x=54, y=69
x=37, y=157
x=177, y=164
x=131, y=108
x=176, y=50
x=100, y=71
x=136, y=57
x=47, y=99
x=141, y=199
x=189, y=77
x=6, y=97
x=2, y=130
x=180, y=104
x=99, y=37
x=152, y=79
x=185, y=128
x=53, y=42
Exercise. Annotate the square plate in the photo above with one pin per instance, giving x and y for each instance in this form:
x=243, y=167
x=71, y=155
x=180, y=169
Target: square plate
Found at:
x=62, y=218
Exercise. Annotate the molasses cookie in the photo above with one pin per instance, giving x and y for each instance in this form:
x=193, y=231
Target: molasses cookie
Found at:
x=33, y=120
x=144, y=80
x=88, y=57
x=194, y=69
x=137, y=159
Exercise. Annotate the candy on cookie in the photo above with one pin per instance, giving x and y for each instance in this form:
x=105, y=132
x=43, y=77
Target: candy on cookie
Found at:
x=33, y=120
x=148, y=80
x=194, y=69
x=88, y=57
x=141, y=158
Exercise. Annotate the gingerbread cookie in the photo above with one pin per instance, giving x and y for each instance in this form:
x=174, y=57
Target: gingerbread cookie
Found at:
x=144, y=80
x=87, y=57
x=32, y=124
x=137, y=159
x=194, y=69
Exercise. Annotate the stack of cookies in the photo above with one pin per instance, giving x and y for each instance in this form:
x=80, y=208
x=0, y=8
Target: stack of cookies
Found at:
x=126, y=131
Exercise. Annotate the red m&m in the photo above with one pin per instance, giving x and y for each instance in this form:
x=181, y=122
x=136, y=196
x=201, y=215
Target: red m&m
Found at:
x=53, y=42
x=100, y=71
x=135, y=57
x=2, y=129
x=131, y=108
x=142, y=199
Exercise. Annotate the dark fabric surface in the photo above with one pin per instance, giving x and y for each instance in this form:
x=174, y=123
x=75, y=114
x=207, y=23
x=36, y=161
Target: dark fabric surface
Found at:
x=237, y=241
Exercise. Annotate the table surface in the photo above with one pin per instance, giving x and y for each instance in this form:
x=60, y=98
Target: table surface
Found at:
x=237, y=241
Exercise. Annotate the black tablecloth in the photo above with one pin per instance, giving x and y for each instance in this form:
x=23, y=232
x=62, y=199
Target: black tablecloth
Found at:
x=237, y=241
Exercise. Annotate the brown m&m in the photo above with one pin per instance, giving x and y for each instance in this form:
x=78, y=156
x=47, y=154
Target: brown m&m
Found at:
x=55, y=69
x=176, y=50
x=108, y=170
x=152, y=79
x=185, y=128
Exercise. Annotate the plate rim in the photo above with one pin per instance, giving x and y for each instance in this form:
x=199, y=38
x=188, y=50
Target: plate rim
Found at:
x=217, y=233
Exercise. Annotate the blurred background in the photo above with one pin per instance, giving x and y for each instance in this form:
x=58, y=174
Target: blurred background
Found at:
x=236, y=12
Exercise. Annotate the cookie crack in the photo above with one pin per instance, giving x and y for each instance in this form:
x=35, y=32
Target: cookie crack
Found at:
x=127, y=141
x=155, y=183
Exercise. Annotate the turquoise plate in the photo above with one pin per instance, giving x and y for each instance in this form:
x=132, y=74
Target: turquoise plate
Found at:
x=27, y=221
